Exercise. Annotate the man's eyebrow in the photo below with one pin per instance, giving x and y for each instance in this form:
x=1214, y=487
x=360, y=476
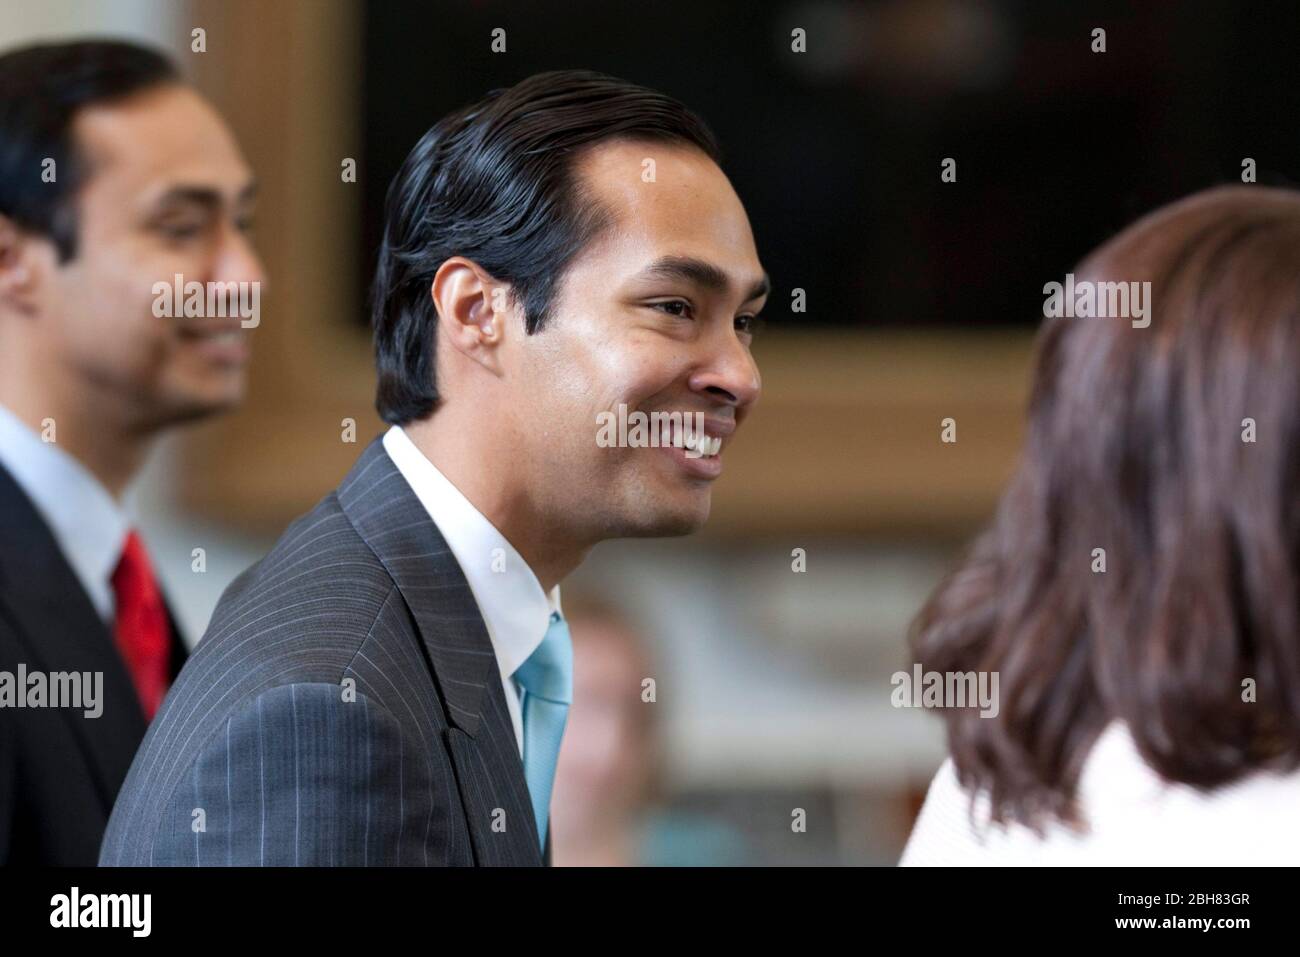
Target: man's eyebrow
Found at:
x=701, y=273
x=205, y=196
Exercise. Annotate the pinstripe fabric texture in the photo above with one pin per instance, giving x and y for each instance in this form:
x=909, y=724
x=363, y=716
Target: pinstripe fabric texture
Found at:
x=343, y=708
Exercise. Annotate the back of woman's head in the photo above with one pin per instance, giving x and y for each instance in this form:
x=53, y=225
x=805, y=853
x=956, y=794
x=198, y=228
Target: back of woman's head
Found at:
x=1144, y=562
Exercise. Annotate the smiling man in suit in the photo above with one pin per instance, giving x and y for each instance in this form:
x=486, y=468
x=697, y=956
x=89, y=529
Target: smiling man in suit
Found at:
x=390, y=684
x=114, y=176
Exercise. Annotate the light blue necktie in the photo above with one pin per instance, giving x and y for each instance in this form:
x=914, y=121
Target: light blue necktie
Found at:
x=547, y=679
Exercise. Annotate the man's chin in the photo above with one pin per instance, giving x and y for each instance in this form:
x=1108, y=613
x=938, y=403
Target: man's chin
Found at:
x=665, y=521
x=195, y=406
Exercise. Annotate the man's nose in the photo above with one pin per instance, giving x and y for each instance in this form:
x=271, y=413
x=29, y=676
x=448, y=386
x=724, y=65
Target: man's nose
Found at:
x=236, y=260
x=729, y=372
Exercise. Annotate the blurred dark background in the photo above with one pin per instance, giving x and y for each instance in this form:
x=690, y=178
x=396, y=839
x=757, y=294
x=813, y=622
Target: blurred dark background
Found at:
x=836, y=153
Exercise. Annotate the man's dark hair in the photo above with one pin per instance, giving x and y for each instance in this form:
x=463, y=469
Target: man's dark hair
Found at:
x=42, y=89
x=495, y=182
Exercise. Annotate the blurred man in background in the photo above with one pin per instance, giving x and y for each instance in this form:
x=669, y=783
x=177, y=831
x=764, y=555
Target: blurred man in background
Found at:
x=609, y=762
x=610, y=787
x=114, y=177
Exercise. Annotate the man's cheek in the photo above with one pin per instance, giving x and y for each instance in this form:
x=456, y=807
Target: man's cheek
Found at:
x=630, y=380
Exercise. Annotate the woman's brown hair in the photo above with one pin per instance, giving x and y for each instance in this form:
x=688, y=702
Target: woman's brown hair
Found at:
x=1139, y=443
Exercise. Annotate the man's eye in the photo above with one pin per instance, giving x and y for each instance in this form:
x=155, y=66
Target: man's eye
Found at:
x=180, y=231
x=749, y=324
x=683, y=304
x=246, y=225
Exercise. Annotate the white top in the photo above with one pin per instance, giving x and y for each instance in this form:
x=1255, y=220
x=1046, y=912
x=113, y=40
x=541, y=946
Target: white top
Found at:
x=1136, y=819
x=89, y=525
x=515, y=609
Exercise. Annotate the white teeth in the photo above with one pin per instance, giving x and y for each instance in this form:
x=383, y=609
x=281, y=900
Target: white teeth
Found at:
x=212, y=335
x=698, y=442
x=705, y=445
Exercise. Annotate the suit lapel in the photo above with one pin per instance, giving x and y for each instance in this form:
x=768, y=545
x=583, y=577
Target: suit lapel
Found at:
x=489, y=774
x=179, y=650
x=61, y=631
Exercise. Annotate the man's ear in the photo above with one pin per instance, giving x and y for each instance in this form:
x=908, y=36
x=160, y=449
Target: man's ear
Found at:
x=18, y=272
x=472, y=310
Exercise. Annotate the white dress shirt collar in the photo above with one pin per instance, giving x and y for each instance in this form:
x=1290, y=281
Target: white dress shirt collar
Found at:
x=89, y=525
x=515, y=609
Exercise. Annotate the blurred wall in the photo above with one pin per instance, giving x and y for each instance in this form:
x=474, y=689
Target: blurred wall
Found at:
x=151, y=21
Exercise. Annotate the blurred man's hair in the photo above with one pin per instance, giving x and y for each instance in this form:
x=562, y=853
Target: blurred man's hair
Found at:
x=495, y=182
x=1135, y=445
x=42, y=89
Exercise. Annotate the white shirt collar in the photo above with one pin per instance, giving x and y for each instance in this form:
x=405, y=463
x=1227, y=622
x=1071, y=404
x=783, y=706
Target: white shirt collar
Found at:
x=515, y=609
x=89, y=525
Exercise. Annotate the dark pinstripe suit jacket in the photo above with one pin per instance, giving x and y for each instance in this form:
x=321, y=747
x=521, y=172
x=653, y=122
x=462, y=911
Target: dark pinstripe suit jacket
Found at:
x=343, y=708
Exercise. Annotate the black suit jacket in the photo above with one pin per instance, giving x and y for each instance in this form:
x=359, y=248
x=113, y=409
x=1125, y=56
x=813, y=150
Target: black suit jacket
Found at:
x=344, y=707
x=59, y=770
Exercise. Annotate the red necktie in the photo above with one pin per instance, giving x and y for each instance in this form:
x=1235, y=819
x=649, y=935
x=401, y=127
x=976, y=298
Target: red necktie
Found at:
x=141, y=630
